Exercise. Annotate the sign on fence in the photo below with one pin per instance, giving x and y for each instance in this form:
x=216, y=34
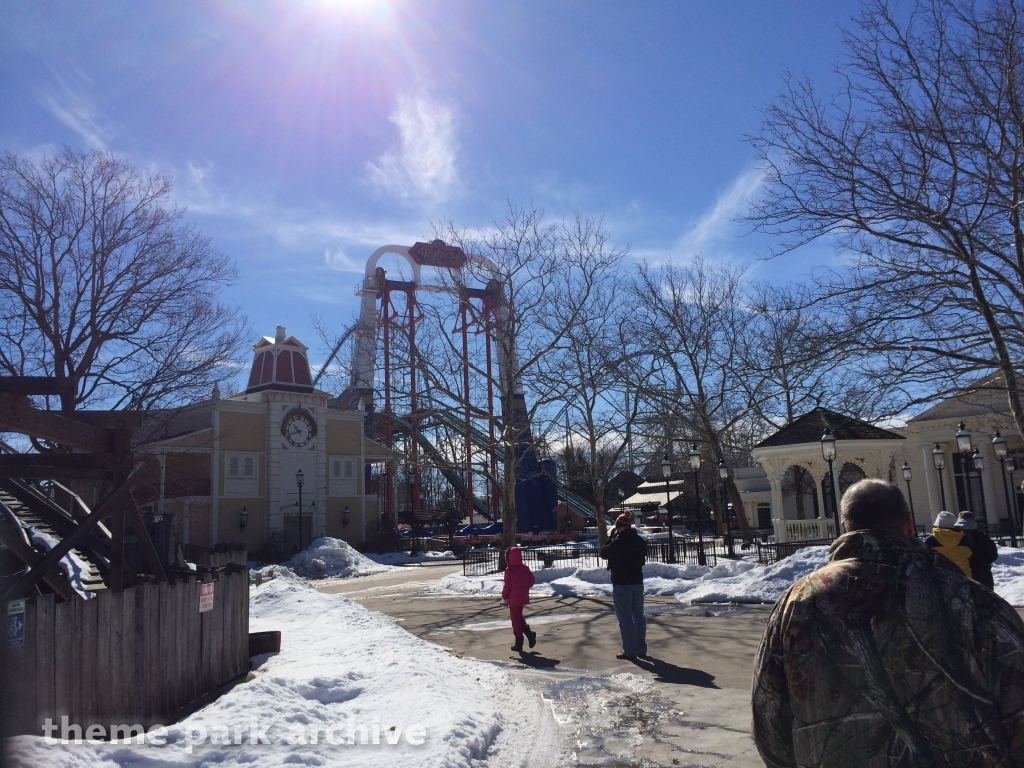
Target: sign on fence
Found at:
x=15, y=623
x=206, y=597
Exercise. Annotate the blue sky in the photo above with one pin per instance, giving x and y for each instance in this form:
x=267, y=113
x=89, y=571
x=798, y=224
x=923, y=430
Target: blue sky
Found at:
x=303, y=134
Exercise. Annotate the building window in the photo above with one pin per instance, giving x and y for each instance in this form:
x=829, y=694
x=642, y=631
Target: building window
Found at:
x=241, y=474
x=343, y=475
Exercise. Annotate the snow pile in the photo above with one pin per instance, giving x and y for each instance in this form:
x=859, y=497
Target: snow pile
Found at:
x=349, y=688
x=325, y=558
x=731, y=581
x=74, y=568
x=1008, y=573
x=659, y=579
x=404, y=558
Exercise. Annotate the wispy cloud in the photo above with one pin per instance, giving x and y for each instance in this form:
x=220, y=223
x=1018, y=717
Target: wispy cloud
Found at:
x=74, y=108
x=718, y=224
x=421, y=167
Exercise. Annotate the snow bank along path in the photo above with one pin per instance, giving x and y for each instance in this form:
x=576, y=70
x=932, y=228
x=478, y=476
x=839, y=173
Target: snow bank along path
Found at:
x=731, y=581
x=343, y=671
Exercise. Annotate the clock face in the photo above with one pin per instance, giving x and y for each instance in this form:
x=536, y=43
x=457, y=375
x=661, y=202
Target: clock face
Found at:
x=298, y=430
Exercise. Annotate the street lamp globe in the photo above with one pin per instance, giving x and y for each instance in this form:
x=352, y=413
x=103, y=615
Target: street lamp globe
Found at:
x=979, y=462
x=300, y=477
x=999, y=446
x=963, y=439
x=723, y=471
x=694, y=458
x=828, y=447
x=906, y=472
x=666, y=467
x=1011, y=465
x=622, y=494
x=938, y=458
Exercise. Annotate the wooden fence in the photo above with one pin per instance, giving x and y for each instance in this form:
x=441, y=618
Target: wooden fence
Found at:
x=135, y=657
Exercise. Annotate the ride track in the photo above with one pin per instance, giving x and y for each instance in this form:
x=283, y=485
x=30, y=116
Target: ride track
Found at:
x=535, y=489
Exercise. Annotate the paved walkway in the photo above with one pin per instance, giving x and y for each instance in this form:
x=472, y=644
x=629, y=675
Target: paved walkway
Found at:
x=688, y=705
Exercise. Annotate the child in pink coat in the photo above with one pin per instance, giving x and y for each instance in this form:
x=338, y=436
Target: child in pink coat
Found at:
x=516, y=594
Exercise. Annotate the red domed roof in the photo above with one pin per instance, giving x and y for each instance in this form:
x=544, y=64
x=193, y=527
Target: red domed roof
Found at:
x=280, y=363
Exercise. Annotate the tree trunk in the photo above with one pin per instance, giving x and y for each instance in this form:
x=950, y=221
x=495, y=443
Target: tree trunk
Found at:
x=741, y=513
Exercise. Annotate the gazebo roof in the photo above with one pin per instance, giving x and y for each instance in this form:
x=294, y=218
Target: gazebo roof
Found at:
x=812, y=425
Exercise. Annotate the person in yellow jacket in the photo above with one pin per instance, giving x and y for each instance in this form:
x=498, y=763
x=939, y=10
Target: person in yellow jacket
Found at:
x=949, y=542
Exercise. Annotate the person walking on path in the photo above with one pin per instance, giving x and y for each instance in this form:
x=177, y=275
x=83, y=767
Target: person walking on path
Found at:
x=626, y=554
x=516, y=595
x=949, y=542
x=983, y=550
x=883, y=658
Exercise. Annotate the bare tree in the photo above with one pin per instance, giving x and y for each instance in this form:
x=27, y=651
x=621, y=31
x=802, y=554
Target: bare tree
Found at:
x=598, y=368
x=792, y=360
x=694, y=318
x=915, y=170
x=102, y=284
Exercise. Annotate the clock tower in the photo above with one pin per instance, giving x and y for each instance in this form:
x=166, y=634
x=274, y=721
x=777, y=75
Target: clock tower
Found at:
x=296, y=436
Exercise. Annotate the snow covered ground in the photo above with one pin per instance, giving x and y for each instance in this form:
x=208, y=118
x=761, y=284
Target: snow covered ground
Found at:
x=404, y=558
x=731, y=581
x=349, y=688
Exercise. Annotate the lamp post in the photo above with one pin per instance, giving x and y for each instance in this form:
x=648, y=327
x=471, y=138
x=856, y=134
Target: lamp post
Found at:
x=243, y=519
x=622, y=501
x=906, y=478
x=999, y=449
x=963, y=445
x=828, y=453
x=723, y=475
x=939, y=462
x=666, y=472
x=695, y=468
x=300, y=476
x=1011, y=467
x=979, y=465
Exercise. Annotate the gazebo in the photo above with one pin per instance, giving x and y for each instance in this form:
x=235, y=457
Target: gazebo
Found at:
x=803, y=497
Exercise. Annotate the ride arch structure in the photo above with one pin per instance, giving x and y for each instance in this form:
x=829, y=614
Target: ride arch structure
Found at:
x=390, y=311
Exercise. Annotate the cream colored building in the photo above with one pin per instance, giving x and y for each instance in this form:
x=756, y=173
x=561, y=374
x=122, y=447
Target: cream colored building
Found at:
x=798, y=478
x=225, y=470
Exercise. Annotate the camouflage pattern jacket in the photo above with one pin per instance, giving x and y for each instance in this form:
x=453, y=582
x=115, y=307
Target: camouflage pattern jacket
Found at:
x=883, y=659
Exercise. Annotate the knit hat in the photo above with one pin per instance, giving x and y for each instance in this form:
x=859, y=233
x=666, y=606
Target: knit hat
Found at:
x=966, y=522
x=945, y=520
x=626, y=518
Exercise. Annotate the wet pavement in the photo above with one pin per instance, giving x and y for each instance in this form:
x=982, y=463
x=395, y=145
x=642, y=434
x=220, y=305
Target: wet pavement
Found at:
x=689, y=705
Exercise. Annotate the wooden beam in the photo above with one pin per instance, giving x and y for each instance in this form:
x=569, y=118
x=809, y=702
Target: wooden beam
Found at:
x=19, y=416
x=36, y=385
x=54, y=556
x=149, y=553
x=111, y=419
x=31, y=558
x=86, y=466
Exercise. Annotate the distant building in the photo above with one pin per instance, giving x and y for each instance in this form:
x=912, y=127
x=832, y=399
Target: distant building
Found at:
x=798, y=481
x=224, y=471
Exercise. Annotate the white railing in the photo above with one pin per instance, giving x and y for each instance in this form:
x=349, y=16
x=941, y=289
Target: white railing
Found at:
x=367, y=285
x=808, y=530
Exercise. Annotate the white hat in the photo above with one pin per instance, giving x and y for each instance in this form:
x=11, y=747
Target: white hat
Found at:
x=945, y=520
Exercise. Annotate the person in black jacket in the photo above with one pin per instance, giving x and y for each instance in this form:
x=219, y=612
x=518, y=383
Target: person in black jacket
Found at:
x=626, y=553
x=983, y=550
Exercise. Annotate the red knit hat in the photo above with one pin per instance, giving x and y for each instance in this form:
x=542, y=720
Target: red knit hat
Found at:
x=626, y=518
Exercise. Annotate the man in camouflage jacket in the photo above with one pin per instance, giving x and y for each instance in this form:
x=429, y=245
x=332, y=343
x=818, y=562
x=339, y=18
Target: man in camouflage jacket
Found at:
x=881, y=658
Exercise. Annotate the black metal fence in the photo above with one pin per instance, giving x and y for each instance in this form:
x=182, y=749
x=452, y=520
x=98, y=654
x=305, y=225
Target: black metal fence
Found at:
x=480, y=562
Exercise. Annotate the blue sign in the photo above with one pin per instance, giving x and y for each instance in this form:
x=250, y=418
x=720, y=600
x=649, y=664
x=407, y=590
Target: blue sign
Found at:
x=15, y=623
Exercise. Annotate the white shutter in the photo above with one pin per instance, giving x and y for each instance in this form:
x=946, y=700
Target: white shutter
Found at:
x=343, y=475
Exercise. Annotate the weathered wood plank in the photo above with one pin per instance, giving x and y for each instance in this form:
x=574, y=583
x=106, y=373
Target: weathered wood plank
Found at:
x=37, y=385
x=129, y=650
x=113, y=697
x=88, y=646
x=64, y=678
x=17, y=415
x=45, y=650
